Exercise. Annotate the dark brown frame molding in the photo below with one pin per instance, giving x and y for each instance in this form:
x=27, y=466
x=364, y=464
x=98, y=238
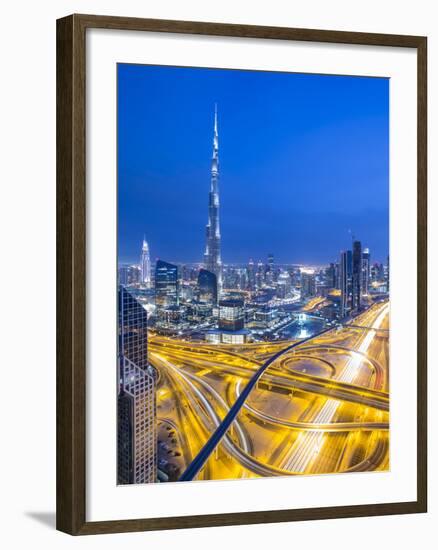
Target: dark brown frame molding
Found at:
x=71, y=266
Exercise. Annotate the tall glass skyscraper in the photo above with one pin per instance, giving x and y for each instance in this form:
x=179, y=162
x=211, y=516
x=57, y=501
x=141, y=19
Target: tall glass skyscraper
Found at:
x=386, y=274
x=346, y=282
x=260, y=275
x=145, y=264
x=308, y=283
x=366, y=266
x=330, y=276
x=251, y=275
x=136, y=403
x=357, y=275
x=212, y=255
x=207, y=285
x=166, y=284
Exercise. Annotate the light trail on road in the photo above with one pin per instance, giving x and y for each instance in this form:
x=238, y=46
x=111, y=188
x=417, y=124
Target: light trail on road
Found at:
x=308, y=445
x=241, y=455
x=312, y=426
x=318, y=408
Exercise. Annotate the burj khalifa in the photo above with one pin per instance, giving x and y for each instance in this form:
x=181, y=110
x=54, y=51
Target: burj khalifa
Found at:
x=212, y=256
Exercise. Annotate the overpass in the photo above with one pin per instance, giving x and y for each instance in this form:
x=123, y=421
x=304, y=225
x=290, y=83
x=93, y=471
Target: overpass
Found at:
x=201, y=458
x=362, y=327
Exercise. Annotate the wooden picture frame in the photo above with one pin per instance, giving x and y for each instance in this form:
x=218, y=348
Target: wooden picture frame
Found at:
x=71, y=273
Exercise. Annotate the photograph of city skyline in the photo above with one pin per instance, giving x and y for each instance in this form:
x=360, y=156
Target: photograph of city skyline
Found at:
x=253, y=274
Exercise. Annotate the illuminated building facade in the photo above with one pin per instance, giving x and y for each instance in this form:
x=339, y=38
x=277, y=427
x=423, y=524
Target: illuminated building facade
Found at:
x=265, y=317
x=212, y=255
x=386, y=274
x=145, y=264
x=231, y=315
x=366, y=267
x=166, y=284
x=308, y=283
x=269, y=270
x=171, y=318
x=231, y=324
x=136, y=403
x=207, y=286
x=129, y=275
x=260, y=275
x=357, y=275
x=346, y=282
x=283, y=285
x=251, y=275
x=377, y=272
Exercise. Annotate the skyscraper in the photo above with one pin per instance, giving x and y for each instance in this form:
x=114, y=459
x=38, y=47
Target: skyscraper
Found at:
x=366, y=267
x=212, y=256
x=346, y=282
x=271, y=261
x=377, y=272
x=269, y=270
x=357, y=275
x=283, y=285
x=166, y=284
x=330, y=276
x=231, y=314
x=386, y=273
x=136, y=405
x=260, y=275
x=251, y=275
x=129, y=275
x=308, y=283
x=207, y=285
x=145, y=264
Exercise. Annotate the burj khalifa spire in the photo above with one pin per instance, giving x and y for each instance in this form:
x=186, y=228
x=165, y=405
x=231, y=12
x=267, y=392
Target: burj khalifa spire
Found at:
x=212, y=256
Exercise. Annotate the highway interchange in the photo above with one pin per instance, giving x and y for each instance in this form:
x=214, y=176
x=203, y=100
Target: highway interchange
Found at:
x=321, y=407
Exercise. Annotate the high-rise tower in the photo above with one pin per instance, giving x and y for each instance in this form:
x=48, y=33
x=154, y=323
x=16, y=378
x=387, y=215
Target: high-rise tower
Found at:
x=166, y=284
x=145, y=264
x=212, y=256
x=366, y=266
x=357, y=275
x=136, y=402
x=207, y=285
x=346, y=282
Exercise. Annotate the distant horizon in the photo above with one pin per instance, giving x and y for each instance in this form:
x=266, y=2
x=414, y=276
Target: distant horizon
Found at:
x=303, y=161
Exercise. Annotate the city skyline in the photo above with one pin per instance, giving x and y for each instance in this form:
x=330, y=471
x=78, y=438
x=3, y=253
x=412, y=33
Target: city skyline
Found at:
x=257, y=343
x=178, y=237
x=264, y=259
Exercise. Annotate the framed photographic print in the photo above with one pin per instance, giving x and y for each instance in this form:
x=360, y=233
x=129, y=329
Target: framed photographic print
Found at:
x=241, y=283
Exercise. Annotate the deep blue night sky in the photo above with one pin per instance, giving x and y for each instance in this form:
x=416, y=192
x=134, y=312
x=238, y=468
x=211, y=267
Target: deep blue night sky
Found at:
x=304, y=162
